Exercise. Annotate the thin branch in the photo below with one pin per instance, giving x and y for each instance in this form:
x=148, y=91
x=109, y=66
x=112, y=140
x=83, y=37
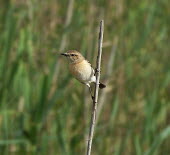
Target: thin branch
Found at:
x=109, y=72
x=91, y=42
x=94, y=110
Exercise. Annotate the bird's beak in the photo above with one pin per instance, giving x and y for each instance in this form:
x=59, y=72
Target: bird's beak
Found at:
x=65, y=54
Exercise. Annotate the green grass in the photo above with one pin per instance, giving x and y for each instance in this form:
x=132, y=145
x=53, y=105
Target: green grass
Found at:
x=40, y=114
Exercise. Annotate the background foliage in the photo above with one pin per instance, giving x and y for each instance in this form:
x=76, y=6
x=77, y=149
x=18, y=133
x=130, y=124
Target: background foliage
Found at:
x=44, y=111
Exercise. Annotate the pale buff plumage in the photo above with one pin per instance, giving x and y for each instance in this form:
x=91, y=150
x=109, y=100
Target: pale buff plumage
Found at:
x=80, y=68
x=83, y=72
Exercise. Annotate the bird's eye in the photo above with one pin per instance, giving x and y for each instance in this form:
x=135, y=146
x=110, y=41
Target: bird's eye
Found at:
x=72, y=54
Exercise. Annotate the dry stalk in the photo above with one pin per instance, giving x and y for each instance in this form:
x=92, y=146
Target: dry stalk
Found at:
x=109, y=73
x=95, y=100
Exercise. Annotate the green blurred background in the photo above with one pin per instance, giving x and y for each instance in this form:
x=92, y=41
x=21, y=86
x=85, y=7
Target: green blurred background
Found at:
x=43, y=110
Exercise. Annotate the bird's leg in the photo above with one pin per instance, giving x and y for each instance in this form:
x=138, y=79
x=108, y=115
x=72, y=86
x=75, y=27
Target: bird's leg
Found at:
x=90, y=90
x=96, y=71
x=91, y=93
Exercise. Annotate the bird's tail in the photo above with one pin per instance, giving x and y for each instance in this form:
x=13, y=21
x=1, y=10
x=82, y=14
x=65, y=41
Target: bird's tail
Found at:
x=101, y=85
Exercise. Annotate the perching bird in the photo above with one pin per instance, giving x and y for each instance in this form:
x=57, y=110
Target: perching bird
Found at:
x=81, y=69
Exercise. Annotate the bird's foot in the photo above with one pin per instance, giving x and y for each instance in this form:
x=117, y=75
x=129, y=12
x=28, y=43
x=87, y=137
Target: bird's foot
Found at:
x=96, y=71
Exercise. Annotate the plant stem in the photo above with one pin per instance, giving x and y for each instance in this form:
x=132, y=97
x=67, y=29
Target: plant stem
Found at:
x=94, y=110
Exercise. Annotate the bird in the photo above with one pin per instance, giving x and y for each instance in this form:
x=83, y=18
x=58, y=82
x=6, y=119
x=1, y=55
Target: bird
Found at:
x=81, y=69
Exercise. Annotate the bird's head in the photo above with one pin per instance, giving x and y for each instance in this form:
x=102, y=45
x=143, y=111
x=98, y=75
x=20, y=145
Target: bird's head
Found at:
x=73, y=56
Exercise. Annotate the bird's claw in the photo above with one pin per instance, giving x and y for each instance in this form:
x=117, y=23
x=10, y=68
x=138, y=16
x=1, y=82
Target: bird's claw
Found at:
x=96, y=71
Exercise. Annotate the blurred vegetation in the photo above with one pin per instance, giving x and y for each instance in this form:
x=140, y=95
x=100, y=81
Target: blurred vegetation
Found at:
x=44, y=111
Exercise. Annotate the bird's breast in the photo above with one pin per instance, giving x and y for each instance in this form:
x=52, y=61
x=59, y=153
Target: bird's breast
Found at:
x=82, y=71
